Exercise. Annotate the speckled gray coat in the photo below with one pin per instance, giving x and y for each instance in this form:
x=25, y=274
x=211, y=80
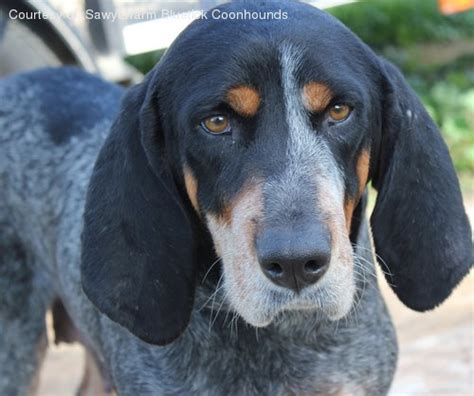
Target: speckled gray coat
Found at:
x=52, y=125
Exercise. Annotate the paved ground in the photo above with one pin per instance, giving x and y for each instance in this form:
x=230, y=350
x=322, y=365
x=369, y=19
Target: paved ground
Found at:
x=436, y=348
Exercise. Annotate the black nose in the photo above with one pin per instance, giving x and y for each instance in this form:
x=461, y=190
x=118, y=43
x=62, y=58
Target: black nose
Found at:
x=294, y=258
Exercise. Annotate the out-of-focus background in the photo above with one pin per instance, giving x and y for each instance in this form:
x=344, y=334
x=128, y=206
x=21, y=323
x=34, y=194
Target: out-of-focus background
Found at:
x=432, y=41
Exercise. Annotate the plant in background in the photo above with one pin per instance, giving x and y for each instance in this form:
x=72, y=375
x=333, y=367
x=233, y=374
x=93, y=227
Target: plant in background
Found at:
x=400, y=23
x=436, y=54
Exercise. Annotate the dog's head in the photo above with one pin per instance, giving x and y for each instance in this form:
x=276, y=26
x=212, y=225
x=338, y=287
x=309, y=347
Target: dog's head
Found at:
x=265, y=133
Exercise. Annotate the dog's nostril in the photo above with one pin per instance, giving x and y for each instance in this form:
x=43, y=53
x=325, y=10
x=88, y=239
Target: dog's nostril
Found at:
x=312, y=266
x=316, y=265
x=274, y=269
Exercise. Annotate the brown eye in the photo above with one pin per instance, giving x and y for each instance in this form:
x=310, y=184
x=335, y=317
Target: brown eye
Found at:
x=216, y=124
x=339, y=112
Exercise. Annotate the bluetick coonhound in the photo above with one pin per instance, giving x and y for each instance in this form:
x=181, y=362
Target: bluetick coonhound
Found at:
x=204, y=231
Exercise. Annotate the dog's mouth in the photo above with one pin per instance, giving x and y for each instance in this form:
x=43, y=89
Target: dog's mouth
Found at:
x=278, y=309
x=330, y=301
x=246, y=289
x=259, y=302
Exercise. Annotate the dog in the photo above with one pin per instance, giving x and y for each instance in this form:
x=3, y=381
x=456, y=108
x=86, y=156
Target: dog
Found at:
x=203, y=232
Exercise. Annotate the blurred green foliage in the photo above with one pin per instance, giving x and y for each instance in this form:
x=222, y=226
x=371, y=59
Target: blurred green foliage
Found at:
x=145, y=62
x=401, y=23
x=448, y=95
x=443, y=75
x=435, y=53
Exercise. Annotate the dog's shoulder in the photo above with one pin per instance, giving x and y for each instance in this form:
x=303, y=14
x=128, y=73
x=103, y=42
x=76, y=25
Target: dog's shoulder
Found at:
x=56, y=102
x=52, y=122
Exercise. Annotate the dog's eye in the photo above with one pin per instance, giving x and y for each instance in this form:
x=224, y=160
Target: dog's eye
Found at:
x=216, y=124
x=339, y=112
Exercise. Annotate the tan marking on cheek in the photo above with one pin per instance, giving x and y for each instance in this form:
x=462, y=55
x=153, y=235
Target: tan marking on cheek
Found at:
x=330, y=204
x=247, y=194
x=316, y=96
x=362, y=171
x=228, y=210
x=348, y=210
x=233, y=231
x=191, y=187
x=244, y=100
x=247, y=209
x=225, y=217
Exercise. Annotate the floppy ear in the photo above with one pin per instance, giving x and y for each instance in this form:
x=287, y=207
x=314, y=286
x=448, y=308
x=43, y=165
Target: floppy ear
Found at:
x=420, y=228
x=137, y=244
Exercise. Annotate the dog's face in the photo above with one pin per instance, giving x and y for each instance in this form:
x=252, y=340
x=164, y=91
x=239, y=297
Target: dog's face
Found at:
x=275, y=153
x=272, y=130
x=274, y=141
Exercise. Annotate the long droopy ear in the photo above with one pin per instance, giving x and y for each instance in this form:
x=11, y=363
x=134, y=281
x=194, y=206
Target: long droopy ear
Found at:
x=421, y=232
x=137, y=244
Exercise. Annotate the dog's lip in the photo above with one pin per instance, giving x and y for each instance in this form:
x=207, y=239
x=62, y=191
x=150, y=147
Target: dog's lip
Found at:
x=268, y=317
x=297, y=303
x=261, y=321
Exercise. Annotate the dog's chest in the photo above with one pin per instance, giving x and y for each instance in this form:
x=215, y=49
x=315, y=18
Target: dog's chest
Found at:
x=300, y=358
x=271, y=374
x=250, y=363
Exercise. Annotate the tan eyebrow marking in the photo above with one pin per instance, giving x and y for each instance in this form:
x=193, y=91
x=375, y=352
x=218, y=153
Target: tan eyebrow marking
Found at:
x=244, y=100
x=316, y=96
x=191, y=187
